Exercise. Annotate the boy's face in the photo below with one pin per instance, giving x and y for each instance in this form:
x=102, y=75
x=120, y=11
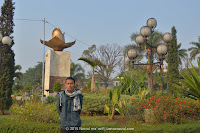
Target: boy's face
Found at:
x=70, y=85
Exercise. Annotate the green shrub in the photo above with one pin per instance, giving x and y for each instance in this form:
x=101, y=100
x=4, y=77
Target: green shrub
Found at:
x=51, y=99
x=10, y=126
x=104, y=90
x=95, y=104
x=28, y=87
x=57, y=87
x=132, y=81
x=35, y=111
x=35, y=97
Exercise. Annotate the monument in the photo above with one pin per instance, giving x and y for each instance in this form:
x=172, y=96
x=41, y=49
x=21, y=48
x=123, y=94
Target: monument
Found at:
x=57, y=64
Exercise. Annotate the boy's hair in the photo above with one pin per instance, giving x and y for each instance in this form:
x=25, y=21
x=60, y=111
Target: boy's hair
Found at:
x=71, y=79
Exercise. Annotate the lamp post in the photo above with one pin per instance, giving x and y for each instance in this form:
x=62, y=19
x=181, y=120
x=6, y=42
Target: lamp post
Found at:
x=4, y=41
x=161, y=72
x=145, y=34
x=132, y=54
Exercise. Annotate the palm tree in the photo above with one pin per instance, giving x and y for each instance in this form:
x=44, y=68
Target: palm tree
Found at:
x=93, y=64
x=182, y=54
x=18, y=74
x=194, y=50
x=77, y=71
x=156, y=38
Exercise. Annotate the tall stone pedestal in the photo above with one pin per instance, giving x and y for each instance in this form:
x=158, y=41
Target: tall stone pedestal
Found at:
x=57, y=69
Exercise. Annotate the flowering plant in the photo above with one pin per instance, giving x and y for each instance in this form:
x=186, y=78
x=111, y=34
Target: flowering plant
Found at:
x=168, y=109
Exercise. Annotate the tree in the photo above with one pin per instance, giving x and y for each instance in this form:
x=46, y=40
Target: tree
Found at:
x=182, y=54
x=173, y=73
x=111, y=57
x=89, y=53
x=77, y=71
x=32, y=76
x=28, y=87
x=93, y=63
x=7, y=58
x=18, y=74
x=156, y=38
x=114, y=98
x=194, y=50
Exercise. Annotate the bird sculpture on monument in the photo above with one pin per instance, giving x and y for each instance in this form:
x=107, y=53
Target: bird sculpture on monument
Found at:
x=57, y=43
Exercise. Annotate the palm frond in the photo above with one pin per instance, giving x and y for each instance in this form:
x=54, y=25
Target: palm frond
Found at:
x=98, y=63
x=89, y=61
x=191, y=83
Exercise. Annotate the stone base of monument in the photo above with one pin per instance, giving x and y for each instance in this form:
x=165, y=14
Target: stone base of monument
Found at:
x=57, y=69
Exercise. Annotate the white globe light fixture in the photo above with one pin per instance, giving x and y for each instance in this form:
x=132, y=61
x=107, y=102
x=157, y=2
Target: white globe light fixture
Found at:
x=158, y=70
x=167, y=37
x=145, y=31
x=159, y=57
x=6, y=40
x=165, y=70
x=151, y=23
x=162, y=49
x=132, y=54
x=139, y=39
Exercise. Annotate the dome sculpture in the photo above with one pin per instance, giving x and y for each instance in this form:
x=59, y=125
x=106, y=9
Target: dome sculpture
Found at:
x=57, y=43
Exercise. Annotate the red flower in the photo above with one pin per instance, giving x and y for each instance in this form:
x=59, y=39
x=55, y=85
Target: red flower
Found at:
x=132, y=98
x=132, y=111
x=158, y=123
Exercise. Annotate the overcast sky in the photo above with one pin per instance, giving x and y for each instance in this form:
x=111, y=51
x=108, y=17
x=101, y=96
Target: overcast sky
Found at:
x=97, y=22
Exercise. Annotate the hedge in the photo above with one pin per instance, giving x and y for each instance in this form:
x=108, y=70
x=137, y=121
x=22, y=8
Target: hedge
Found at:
x=9, y=126
x=95, y=103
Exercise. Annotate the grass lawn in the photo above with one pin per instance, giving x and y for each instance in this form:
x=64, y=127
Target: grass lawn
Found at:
x=95, y=124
